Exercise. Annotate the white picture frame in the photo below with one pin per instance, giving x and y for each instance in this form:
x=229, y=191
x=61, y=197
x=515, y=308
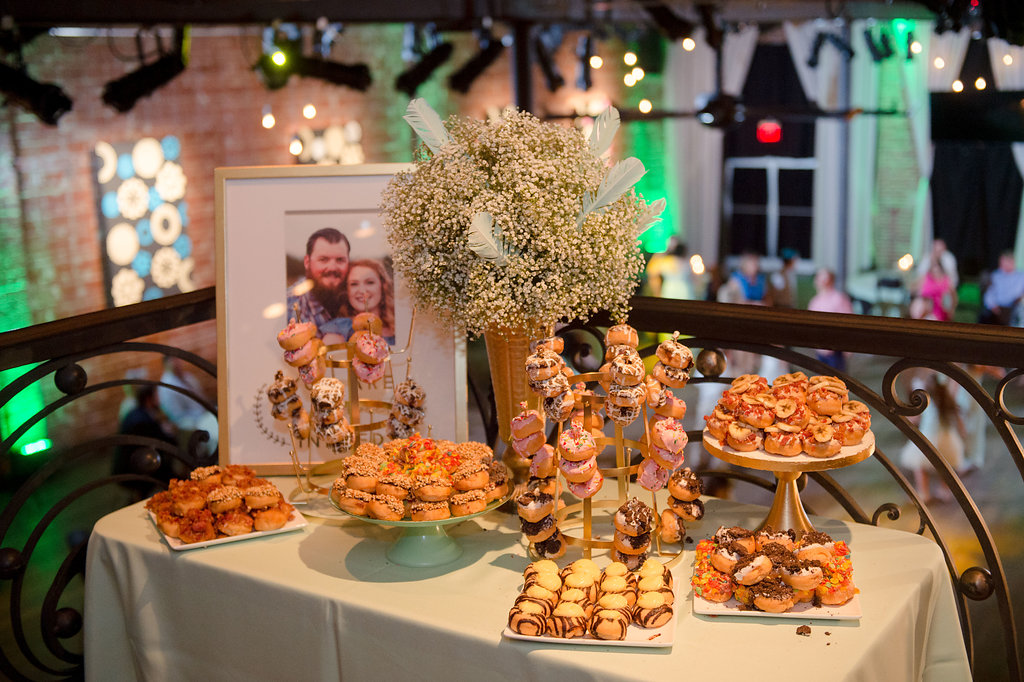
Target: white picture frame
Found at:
x=256, y=207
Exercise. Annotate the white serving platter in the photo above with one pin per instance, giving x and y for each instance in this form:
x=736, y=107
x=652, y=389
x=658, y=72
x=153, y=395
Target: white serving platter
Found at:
x=294, y=523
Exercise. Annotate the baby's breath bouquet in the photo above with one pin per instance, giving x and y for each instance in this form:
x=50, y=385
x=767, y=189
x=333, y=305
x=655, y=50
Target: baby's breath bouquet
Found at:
x=514, y=222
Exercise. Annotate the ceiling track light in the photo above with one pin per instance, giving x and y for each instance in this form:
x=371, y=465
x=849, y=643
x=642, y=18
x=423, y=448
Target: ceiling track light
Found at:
x=819, y=42
x=668, y=22
x=842, y=45
x=282, y=57
x=45, y=100
x=544, y=52
x=490, y=49
x=123, y=93
x=877, y=52
x=437, y=53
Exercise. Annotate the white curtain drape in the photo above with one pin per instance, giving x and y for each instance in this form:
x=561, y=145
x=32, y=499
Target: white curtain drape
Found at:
x=696, y=149
x=1008, y=71
x=862, y=154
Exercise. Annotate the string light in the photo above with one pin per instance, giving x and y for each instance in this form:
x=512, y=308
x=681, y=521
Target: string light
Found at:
x=689, y=44
x=629, y=59
x=645, y=106
x=268, y=118
x=638, y=74
x=596, y=62
x=295, y=146
x=980, y=83
x=939, y=63
x=629, y=79
x=309, y=111
x=915, y=47
x=958, y=85
x=906, y=262
x=1008, y=59
x=697, y=264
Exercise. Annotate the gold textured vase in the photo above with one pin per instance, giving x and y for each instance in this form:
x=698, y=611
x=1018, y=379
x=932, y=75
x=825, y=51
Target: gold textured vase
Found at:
x=507, y=350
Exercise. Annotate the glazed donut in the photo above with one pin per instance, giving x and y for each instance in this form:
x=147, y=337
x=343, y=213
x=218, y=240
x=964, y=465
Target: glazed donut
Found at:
x=767, y=535
x=670, y=435
x=801, y=575
x=434, y=487
x=398, y=430
x=672, y=377
x=527, y=619
x=672, y=529
x=687, y=511
x=576, y=445
x=633, y=517
x=286, y=409
x=815, y=546
x=655, y=392
x=538, y=531
x=621, y=334
x=752, y=568
x=555, y=344
x=339, y=434
x=684, y=485
x=261, y=496
x=745, y=538
x=534, y=506
x=410, y=393
x=313, y=372
x=224, y=499
x=368, y=322
x=304, y=354
x=327, y=395
x=712, y=585
x=632, y=544
x=674, y=354
x=353, y=501
x=368, y=373
x=558, y=408
x=587, y=488
x=578, y=471
x=542, y=464
x=673, y=407
x=666, y=459
x=471, y=475
x=567, y=621
x=819, y=440
x=295, y=334
x=468, y=502
x=549, y=388
x=652, y=477
x=612, y=352
x=430, y=511
x=548, y=484
x=528, y=445
x=627, y=396
x=725, y=557
x=771, y=595
x=282, y=388
x=627, y=370
x=543, y=364
x=742, y=438
x=552, y=548
x=397, y=485
x=651, y=611
x=609, y=624
x=784, y=443
x=406, y=414
x=623, y=416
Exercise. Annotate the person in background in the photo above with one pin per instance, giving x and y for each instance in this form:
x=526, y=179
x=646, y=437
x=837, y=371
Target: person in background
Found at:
x=782, y=284
x=936, y=287
x=1004, y=292
x=321, y=297
x=145, y=419
x=747, y=284
x=943, y=425
x=829, y=299
x=940, y=254
x=185, y=413
x=669, y=273
x=371, y=289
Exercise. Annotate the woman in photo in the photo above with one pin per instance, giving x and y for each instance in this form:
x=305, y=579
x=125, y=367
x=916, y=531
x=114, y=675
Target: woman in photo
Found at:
x=371, y=289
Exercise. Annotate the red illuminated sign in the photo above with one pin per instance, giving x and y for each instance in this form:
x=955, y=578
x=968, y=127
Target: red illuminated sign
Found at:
x=769, y=131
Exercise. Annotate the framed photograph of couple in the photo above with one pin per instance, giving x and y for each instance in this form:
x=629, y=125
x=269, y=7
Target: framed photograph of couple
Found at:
x=308, y=241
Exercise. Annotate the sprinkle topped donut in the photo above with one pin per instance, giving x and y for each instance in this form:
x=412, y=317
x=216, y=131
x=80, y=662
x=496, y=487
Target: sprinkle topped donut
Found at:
x=576, y=444
x=372, y=349
x=295, y=334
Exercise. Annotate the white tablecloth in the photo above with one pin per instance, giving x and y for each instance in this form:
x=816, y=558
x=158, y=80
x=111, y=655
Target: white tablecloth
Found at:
x=324, y=603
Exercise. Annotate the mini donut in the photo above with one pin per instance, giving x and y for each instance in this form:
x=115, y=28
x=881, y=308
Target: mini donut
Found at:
x=367, y=322
x=368, y=373
x=655, y=583
x=815, y=546
x=286, y=409
x=385, y=508
x=526, y=422
x=542, y=464
x=552, y=548
x=550, y=582
x=472, y=449
x=754, y=413
x=434, y=487
x=327, y=395
x=783, y=443
x=534, y=604
x=543, y=364
x=742, y=438
x=282, y=388
x=849, y=430
x=752, y=568
x=529, y=444
x=548, y=388
x=398, y=430
x=576, y=445
x=407, y=414
x=558, y=408
x=633, y=517
x=674, y=354
x=833, y=592
x=295, y=334
x=651, y=610
x=547, y=485
x=353, y=501
x=542, y=594
x=621, y=334
x=300, y=424
x=619, y=584
x=535, y=568
x=612, y=352
x=655, y=392
x=583, y=581
x=652, y=477
x=304, y=354
x=622, y=415
x=745, y=538
x=555, y=344
x=468, y=502
x=771, y=595
x=578, y=471
x=223, y=499
x=538, y=531
x=605, y=371
x=673, y=377
x=430, y=511
x=802, y=575
x=527, y=619
x=233, y=473
x=619, y=601
x=717, y=423
x=313, y=372
x=687, y=511
x=785, y=538
x=262, y=496
x=627, y=370
x=685, y=485
x=397, y=485
x=587, y=566
x=819, y=440
x=666, y=459
x=330, y=416
x=471, y=475
x=627, y=396
x=725, y=557
x=632, y=561
x=673, y=406
x=567, y=621
x=609, y=624
x=631, y=544
x=791, y=413
x=196, y=526
x=339, y=434
x=410, y=393
x=534, y=506
x=826, y=399
x=669, y=434
x=233, y=523
x=712, y=585
x=748, y=383
x=587, y=488
x=672, y=529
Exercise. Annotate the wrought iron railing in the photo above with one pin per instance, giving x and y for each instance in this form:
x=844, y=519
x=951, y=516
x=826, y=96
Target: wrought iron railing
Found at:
x=60, y=347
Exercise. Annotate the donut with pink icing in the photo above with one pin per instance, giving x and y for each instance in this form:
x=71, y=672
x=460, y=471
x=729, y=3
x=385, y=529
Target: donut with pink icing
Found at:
x=528, y=444
x=372, y=349
x=526, y=422
x=651, y=476
x=543, y=463
x=587, y=488
x=578, y=472
x=304, y=354
x=670, y=435
x=672, y=407
x=296, y=334
x=576, y=445
x=666, y=459
x=313, y=372
x=366, y=372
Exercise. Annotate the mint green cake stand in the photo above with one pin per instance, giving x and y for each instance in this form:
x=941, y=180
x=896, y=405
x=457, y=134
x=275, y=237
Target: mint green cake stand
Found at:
x=423, y=543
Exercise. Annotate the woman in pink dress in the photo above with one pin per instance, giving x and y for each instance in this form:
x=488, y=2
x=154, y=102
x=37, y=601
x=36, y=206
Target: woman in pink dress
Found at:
x=937, y=287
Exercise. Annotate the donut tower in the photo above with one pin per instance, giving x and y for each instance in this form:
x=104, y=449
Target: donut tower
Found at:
x=407, y=410
x=285, y=404
x=329, y=422
x=628, y=389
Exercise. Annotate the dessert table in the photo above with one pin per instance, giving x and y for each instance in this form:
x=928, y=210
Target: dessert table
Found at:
x=323, y=602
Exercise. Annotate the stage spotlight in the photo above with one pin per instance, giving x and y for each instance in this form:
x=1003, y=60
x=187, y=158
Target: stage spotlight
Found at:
x=490, y=49
x=412, y=78
x=819, y=42
x=841, y=45
x=585, y=54
x=886, y=43
x=355, y=76
x=877, y=53
x=544, y=45
x=46, y=100
x=124, y=92
x=670, y=23
x=282, y=56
